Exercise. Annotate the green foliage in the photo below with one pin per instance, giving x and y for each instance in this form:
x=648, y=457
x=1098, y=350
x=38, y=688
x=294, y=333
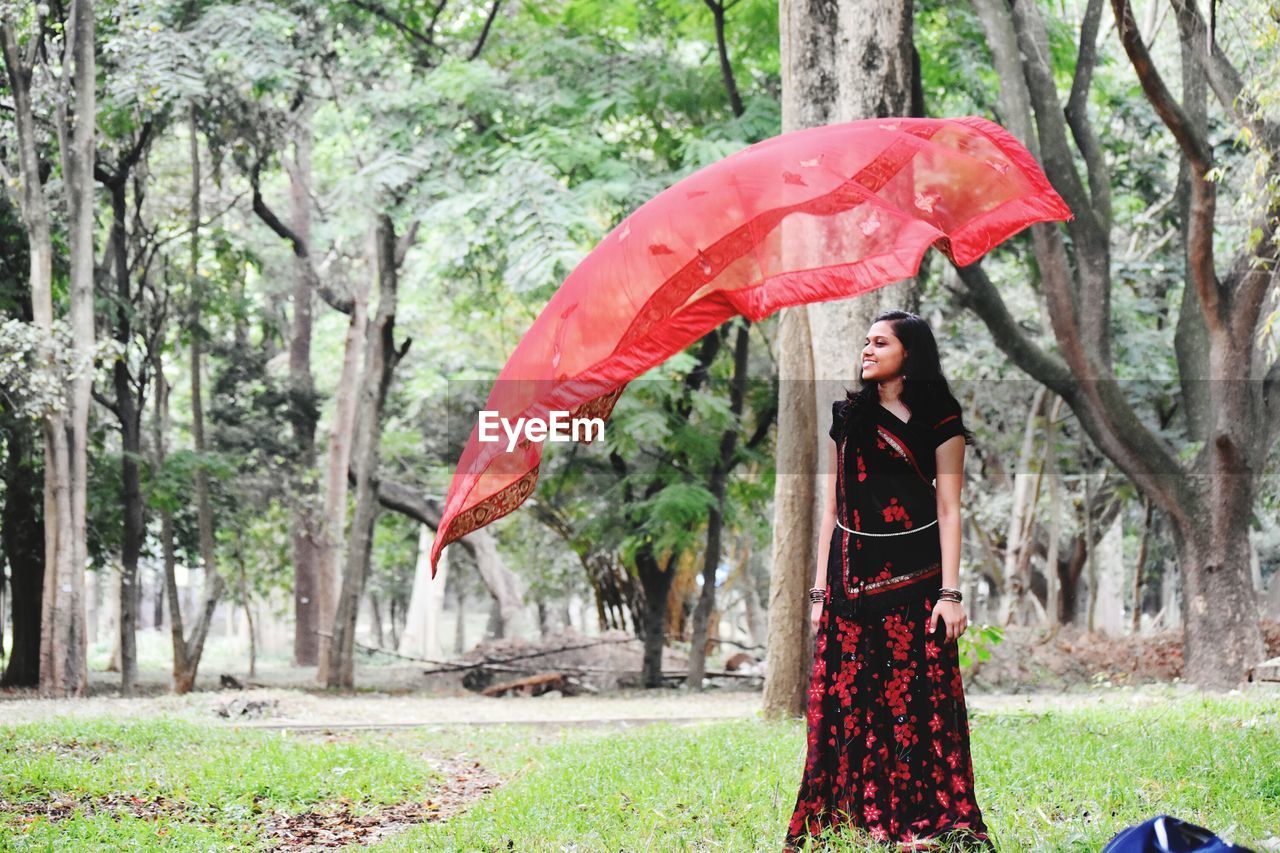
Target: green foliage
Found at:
x=976, y=642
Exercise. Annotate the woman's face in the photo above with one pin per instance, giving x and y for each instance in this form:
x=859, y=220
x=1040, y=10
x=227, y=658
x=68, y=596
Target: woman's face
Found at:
x=883, y=354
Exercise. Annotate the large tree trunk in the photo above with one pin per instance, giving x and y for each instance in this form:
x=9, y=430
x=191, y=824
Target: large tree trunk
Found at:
x=840, y=61
x=307, y=596
x=381, y=357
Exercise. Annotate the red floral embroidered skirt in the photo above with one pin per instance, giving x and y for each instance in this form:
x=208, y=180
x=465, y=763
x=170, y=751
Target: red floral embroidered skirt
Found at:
x=888, y=747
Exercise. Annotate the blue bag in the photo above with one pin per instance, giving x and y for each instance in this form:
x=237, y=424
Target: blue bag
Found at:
x=1166, y=834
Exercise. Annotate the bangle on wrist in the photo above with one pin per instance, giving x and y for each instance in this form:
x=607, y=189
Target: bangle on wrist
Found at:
x=950, y=593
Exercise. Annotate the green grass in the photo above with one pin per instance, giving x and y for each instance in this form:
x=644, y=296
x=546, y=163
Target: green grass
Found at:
x=1065, y=780
x=220, y=781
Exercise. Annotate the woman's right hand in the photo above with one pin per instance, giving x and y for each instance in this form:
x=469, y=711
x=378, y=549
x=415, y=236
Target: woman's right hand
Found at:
x=815, y=615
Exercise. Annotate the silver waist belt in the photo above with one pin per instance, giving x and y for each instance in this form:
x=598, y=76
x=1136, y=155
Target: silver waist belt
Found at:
x=898, y=533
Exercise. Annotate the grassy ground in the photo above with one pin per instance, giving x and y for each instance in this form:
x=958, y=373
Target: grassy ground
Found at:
x=1056, y=780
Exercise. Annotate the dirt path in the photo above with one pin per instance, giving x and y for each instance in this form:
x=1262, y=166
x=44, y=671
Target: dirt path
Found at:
x=292, y=708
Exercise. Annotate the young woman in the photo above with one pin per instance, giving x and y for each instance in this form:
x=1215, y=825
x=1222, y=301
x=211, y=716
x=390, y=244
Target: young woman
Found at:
x=888, y=728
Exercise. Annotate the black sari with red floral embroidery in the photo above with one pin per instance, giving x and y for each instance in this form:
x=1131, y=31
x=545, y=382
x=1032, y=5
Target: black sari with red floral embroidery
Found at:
x=888, y=730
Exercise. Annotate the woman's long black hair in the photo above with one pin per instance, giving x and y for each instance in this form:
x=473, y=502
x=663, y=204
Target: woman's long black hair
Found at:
x=925, y=390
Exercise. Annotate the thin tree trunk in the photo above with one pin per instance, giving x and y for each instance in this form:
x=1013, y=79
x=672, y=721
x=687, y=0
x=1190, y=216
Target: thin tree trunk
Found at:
x=308, y=597
x=160, y=432
x=715, y=522
x=1023, y=508
x=247, y=604
x=381, y=357
x=421, y=636
x=1140, y=566
x=187, y=664
x=1091, y=560
x=460, y=624
x=395, y=619
x=757, y=630
x=1050, y=466
x=130, y=444
x=341, y=438
x=110, y=582
x=656, y=582
x=375, y=614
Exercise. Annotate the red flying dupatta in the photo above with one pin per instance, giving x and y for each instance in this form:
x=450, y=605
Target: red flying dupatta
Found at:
x=809, y=216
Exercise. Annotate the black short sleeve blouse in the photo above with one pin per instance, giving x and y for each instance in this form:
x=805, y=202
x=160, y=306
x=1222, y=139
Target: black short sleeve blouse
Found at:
x=946, y=424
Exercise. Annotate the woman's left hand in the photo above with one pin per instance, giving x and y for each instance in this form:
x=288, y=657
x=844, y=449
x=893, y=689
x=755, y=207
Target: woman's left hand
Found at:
x=952, y=615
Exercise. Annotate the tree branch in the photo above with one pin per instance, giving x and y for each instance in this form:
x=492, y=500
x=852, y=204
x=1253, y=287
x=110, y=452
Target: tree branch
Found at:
x=1087, y=300
x=1225, y=80
x=982, y=296
x=726, y=68
x=407, y=501
x=484, y=33
x=107, y=404
x=1015, y=100
x=269, y=218
x=423, y=41
x=406, y=242
x=1098, y=402
x=1077, y=113
x=1033, y=42
x=1200, y=158
x=1251, y=277
x=339, y=302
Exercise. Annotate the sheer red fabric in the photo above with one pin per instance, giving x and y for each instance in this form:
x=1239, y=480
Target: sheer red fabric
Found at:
x=809, y=216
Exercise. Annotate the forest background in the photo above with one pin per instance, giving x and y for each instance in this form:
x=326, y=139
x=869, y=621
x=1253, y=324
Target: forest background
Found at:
x=261, y=259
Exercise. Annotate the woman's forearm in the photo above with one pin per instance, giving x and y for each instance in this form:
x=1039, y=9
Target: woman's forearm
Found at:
x=824, y=546
x=949, y=536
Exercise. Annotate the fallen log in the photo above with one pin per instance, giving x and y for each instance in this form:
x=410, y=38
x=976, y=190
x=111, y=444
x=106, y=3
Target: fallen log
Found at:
x=532, y=685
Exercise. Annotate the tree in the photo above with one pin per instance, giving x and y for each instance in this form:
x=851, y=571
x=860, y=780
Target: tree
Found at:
x=63, y=665
x=129, y=399
x=840, y=62
x=381, y=357
x=1233, y=417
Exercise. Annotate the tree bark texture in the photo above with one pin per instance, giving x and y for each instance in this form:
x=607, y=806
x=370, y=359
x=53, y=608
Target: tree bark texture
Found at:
x=841, y=60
